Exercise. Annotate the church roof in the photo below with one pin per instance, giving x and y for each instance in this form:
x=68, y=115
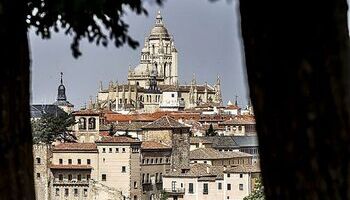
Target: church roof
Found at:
x=38, y=110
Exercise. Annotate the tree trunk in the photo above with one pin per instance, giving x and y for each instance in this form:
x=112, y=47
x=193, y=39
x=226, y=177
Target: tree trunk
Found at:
x=16, y=161
x=297, y=59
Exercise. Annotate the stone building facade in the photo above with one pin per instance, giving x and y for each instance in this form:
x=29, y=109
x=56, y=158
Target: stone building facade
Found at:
x=155, y=163
x=168, y=131
x=42, y=157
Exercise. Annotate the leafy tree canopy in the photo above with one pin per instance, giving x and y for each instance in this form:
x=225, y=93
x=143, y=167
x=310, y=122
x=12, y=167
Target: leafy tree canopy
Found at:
x=97, y=20
x=50, y=128
x=210, y=131
x=258, y=192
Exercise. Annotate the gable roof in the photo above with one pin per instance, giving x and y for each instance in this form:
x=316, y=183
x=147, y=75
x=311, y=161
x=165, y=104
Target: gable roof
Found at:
x=165, y=122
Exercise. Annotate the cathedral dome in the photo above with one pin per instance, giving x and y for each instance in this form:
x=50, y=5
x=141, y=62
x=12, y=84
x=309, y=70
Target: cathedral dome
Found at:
x=159, y=28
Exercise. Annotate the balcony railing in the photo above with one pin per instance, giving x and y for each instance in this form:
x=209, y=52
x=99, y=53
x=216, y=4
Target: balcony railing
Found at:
x=71, y=182
x=175, y=190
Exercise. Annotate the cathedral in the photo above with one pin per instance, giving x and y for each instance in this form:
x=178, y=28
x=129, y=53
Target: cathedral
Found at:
x=153, y=84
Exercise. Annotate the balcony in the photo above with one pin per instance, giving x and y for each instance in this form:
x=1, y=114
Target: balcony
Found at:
x=71, y=182
x=175, y=191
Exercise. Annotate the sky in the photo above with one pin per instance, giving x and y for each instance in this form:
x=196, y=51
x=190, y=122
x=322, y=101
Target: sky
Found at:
x=206, y=34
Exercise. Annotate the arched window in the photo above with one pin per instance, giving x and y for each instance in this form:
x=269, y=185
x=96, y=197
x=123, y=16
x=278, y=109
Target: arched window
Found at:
x=92, y=123
x=82, y=123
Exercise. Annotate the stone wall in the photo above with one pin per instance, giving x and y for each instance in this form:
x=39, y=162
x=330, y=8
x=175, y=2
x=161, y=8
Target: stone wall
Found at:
x=42, y=155
x=180, y=148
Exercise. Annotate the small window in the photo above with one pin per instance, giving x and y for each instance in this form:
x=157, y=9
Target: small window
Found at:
x=152, y=161
x=228, y=175
x=156, y=161
x=219, y=186
x=103, y=150
x=190, y=188
x=75, y=192
x=240, y=186
x=161, y=160
x=117, y=150
x=85, y=193
x=240, y=175
x=37, y=175
x=228, y=186
x=79, y=161
x=123, y=169
x=172, y=95
x=110, y=150
x=88, y=177
x=205, y=161
x=104, y=177
x=135, y=185
x=66, y=192
x=57, y=193
x=38, y=161
x=60, y=177
x=135, y=197
x=88, y=161
x=147, y=160
x=70, y=177
x=70, y=161
x=143, y=161
x=205, y=188
x=123, y=150
x=79, y=177
x=60, y=161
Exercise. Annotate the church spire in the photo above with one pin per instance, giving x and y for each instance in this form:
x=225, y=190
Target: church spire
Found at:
x=61, y=91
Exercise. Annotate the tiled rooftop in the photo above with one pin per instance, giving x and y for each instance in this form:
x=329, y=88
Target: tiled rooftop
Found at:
x=212, y=154
x=165, y=122
x=196, y=140
x=243, y=169
x=117, y=139
x=200, y=170
x=75, y=147
x=153, y=145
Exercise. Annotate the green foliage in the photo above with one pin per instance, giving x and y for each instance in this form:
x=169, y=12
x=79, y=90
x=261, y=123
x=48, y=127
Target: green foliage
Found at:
x=164, y=195
x=258, y=192
x=96, y=20
x=50, y=128
x=210, y=131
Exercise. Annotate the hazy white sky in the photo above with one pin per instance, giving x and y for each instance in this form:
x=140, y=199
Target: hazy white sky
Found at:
x=207, y=37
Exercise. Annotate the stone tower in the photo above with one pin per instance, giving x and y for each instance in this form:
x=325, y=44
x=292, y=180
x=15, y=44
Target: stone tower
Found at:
x=42, y=154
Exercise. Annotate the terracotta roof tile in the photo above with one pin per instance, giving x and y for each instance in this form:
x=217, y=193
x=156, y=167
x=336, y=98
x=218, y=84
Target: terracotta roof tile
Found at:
x=165, y=122
x=243, y=169
x=212, y=154
x=75, y=147
x=194, y=140
x=153, y=145
x=118, y=139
